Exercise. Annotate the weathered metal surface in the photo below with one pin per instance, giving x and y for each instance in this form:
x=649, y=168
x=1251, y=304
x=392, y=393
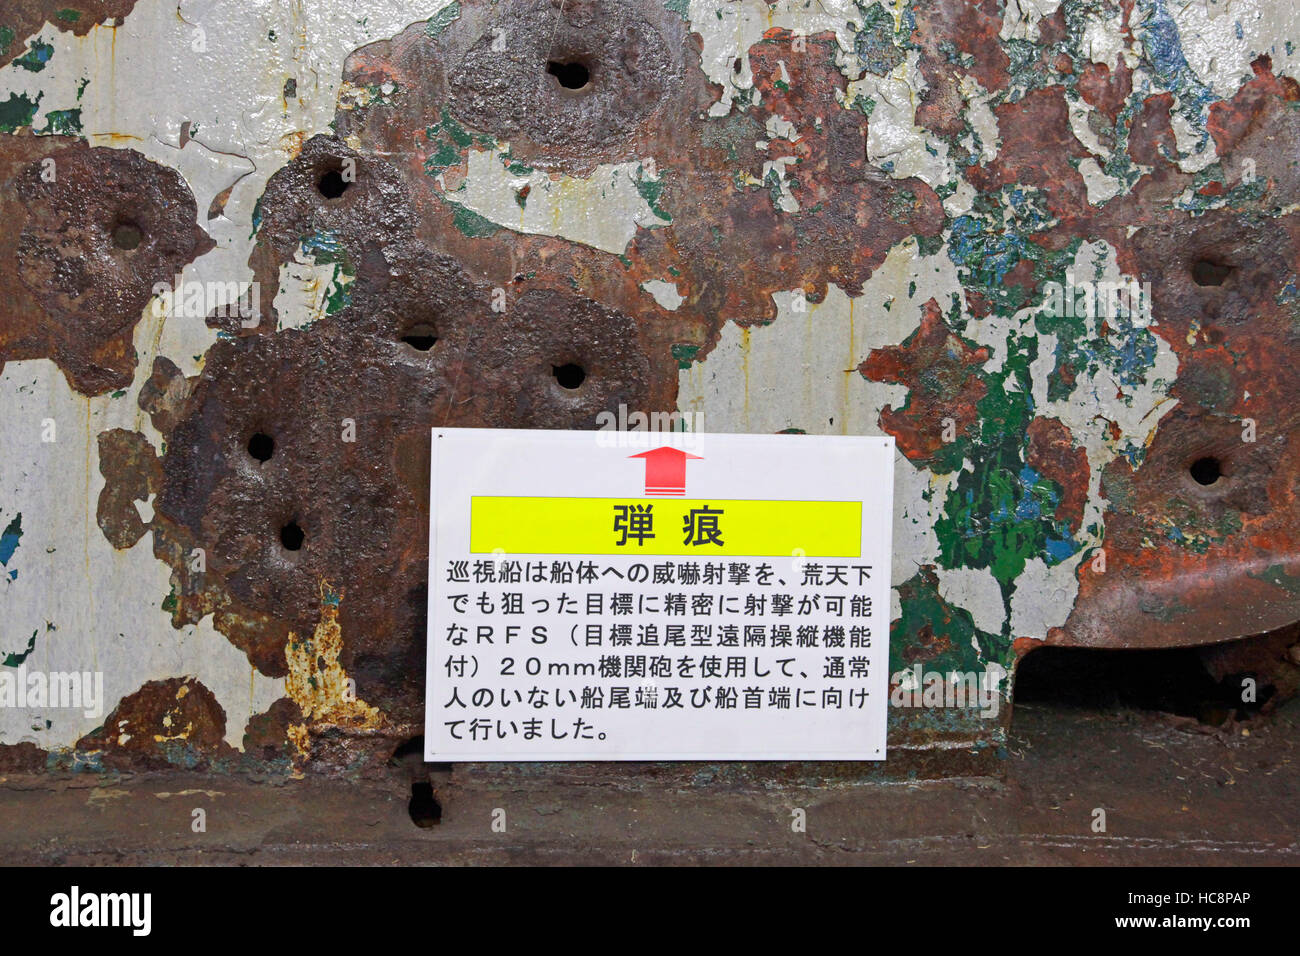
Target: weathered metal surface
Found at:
x=1227, y=805
x=785, y=217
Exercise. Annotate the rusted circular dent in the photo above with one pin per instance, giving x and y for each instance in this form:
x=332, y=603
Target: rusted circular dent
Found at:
x=515, y=94
x=97, y=229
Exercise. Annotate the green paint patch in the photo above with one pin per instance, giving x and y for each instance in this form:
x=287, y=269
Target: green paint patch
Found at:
x=6, y=40
x=448, y=141
x=18, y=111
x=685, y=355
x=13, y=660
x=680, y=7
x=64, y=122
x=1000, y=513
x=326, y=249
x=472, y=224
x=877, y=44
x=37, y=55
x=650, y=190
x=1276, y=575
x=443, y=19
x=257, y=217
x=68, y=15
x=939, y=636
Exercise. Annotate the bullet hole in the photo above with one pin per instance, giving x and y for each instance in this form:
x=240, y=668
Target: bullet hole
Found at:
x=261, y=446
x=291, y=536
x=569, y=376
x=332, y=185
x=424, y=807
x=1207, y=273
x=1206, y=471
x=127, y=236
x=572, y=75
x=421, y=338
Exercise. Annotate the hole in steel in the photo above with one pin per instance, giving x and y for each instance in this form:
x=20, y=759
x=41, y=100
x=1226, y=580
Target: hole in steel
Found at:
x=407, y=750
x=261, y=446
x=1206, y=470
x=411, y=752
x=291, y=536
x=572, y=75
x=127, y=235
x=1172, y=681
x=1205, y=272
x=424, y=807
x=421, y=338
x=569, y=376
x=332, y=185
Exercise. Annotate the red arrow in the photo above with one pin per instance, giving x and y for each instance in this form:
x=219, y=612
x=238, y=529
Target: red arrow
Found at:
x=665, y=470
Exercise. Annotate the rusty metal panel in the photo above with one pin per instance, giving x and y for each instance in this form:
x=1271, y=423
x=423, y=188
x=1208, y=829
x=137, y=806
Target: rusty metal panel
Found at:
x=252, y=253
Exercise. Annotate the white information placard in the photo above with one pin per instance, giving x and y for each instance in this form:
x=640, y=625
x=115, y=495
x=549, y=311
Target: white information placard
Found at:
x=657, y=596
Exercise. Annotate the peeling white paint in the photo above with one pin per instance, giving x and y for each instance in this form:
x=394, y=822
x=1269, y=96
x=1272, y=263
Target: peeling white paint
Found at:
x=305, y=286
x=603, y=210
x=981, y=119
x=664, y=293
x=894, y=141
x=1020, y=18
x=728, y=30
x=1220, y=38
x=93, y=608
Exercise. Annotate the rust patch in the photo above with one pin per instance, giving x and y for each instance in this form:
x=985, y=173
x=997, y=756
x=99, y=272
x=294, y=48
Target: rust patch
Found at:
x=82, y=252
x=177, y=720
x=267, y=735
x=134, y=476
x=941, y=371
x=622, y=63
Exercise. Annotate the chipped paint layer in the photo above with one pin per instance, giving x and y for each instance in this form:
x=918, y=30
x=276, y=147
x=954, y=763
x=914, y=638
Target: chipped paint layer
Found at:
x=842, y=217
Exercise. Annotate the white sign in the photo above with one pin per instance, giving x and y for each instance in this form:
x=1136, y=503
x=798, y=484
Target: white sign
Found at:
x=657, y=596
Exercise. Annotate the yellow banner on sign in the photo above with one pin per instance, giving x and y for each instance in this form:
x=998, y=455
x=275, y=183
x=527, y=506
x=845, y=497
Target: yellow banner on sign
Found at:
x=650, y=526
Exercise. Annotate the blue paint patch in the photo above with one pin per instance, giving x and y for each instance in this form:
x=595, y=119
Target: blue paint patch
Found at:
x=9, y=539
x=1058, y=549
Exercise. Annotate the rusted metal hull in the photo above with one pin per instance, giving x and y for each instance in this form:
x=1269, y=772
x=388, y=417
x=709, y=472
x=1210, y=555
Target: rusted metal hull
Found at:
x=1052, y=251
